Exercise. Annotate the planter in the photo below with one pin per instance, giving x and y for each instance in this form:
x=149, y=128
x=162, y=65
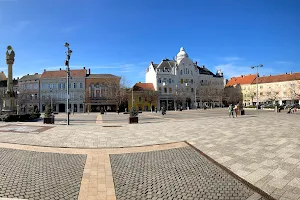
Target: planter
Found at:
x=133, y=120
x=48, y=120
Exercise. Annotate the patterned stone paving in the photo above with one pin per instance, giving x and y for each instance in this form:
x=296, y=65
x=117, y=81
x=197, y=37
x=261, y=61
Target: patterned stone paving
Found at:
x=23, y=128
x=180, y=173
x=39, y=175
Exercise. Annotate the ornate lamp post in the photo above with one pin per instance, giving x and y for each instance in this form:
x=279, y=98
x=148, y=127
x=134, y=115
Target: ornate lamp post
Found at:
x=257, y=66
x=67, y=64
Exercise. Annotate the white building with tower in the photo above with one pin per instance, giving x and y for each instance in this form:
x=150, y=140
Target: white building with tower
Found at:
x=182, y=83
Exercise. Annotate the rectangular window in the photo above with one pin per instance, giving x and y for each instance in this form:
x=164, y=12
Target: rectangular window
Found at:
x=74, y=85
x=54, y=86
x=159, y=80
x=181, y=81
x=146, y=99
x=81, y=85
x=165, y=90
x=192, y=81
x=59, y=86
x=140, y=99
x=260, y=93
x=63, y=85
x=170, y=81
x=49, y=86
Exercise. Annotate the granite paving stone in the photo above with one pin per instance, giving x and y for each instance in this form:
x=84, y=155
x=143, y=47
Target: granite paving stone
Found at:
x=180, y=173
x=36, y=175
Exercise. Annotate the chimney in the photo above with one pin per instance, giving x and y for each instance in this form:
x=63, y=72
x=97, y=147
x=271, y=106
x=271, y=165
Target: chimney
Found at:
x=196, y=63
x=83, y=67
x=18, y=78
x=242, y=76
x=59, y=69
x=151, y=62
x=89, y=71
x=1, y=71
x=291, y=73
x=44, y=70
x=285, y=72
x=35, y=73
x=27, y=74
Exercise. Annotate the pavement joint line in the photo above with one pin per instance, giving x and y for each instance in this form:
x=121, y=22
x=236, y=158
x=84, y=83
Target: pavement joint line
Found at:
x=256, y=189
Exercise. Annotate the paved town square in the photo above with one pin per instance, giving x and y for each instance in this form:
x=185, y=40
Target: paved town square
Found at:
x=261, y=148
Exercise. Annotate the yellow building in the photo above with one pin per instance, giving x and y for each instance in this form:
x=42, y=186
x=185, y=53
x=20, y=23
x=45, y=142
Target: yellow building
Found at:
x=144, y=97
x=283, y=89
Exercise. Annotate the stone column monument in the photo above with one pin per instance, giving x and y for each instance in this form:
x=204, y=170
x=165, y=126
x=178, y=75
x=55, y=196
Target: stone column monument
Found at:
x=9, y=100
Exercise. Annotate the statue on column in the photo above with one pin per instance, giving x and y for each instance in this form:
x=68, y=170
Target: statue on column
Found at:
x=10, y=56
x=10, y=59
x=9, y=100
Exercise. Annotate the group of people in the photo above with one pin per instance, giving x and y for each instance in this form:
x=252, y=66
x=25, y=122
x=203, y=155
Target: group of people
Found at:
x=233, y=109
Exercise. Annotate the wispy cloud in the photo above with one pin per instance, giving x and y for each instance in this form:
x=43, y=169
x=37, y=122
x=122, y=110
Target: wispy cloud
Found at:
x=235, y=69
x=283, y=62
x=69, y=29
x=20, y=26
x=231, y=58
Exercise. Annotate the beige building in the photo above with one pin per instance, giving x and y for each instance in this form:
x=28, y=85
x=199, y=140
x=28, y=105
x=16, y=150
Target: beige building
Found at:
x=29, y=92
x=53, y=90
x=283, y=89
x=3, y=87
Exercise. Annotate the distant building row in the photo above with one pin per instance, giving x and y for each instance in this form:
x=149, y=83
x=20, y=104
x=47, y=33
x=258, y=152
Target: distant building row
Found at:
x=283, y=89
x=88, y=92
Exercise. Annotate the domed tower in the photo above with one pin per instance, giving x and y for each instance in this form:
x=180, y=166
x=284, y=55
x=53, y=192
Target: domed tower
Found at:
x=182, y=54
x=219, y=73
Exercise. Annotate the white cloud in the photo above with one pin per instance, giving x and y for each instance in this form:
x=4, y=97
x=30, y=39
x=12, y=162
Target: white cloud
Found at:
x=283, y=62
x=234, y=69
x=231, y=58
x=69, y=29
x=20, y=26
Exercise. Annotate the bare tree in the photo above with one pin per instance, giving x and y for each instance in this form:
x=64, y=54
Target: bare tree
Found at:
x=271, y=95
x=179, y=96
x=295, y=90
x=233, y=94
x=118, y=91
x=151, y=97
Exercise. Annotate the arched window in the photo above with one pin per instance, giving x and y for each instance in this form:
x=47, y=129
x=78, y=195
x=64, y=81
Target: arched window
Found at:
x=165, y=90
x=180, y=72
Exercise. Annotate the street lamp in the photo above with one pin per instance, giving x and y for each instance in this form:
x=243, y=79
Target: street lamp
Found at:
x=257, y=66
x=165, y=84
x=51, y=106
x=67, y=64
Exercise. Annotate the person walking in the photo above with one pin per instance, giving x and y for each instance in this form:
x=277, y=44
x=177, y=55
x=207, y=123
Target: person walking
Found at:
x=236, y=110
x=230, y=109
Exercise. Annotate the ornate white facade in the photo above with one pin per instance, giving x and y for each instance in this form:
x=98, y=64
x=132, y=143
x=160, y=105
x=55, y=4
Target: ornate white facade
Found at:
x=182, y=83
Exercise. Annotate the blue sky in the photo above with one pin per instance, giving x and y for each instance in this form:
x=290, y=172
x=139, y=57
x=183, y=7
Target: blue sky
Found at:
x=123, y=37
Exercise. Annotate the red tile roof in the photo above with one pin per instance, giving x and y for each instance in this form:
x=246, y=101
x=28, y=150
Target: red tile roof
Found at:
x=241, y=80
x=143, y=86
x=279, y=78
x=63, y=73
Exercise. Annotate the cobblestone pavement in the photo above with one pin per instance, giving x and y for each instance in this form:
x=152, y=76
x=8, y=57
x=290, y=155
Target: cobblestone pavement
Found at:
x=36, y=175
x=180, y=173
x=263, y=149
